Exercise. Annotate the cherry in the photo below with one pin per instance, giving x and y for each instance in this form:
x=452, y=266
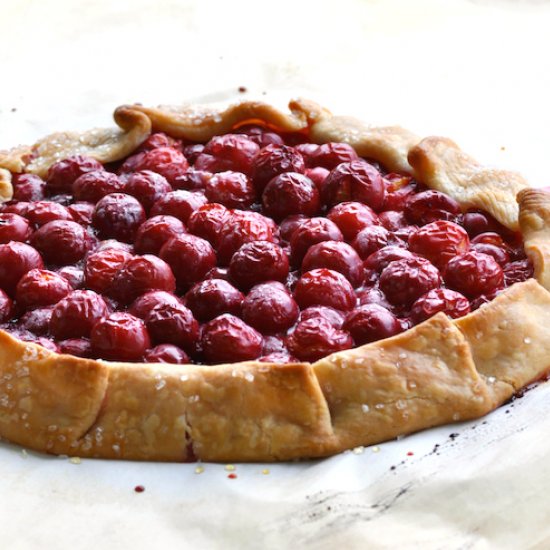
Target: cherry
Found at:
x=274, y=160
x=159, y=139
x=73, y=275
x=120, y=337
x=63, y=173
x=270, y=308
x=289, y=225
x=315, y=338
x=403, y=281
x=229, y=152
x=257, y=262
x=13, y=228
x=398, y=189
x=498, y=253
x=371, y=322
x=192, y=180
x=147, y=187
x=334, y=317
x=16, y=259
x=118, y=216
x=28, y=187
x=476, y=223
x=262, y=136
x=473, y=273
x=290, y=193
x=113, y=244
x=192, y=152
x=19, y=208
x=227, y=339
x=354, y=181
x=166, y=353
x=166, y=161
x=179, y=204
x=324, y=287
x=6, y=307
x=93, y=186
x=156, y=231
x=36, y=320
x=380, y=259
x=307, y=150
x=146, y=302
x=309, y=232
x=42, y=212
x=75, y=315
x=373, y=295
x=212, y=297
x=338, y=256
x=82, y=212
x=392, y=220
x=318, y=176
x=102, y=266
x=61, y=242
x=370, y=239
x=80, y=347
x=172, y=323
x=517, y=272
x=352, y=217
x=190, y=258
x=439, y=241
x=274, y=343
x=141, y=274
x=330, y=155
x=40, y=287
x=232, y=189
x=278, y=357
x=241, y=227
x=448, y=301
x=483, y=299
x=207, y=221
x=430, y=206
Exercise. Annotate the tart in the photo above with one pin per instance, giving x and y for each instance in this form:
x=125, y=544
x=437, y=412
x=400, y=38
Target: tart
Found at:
x=249, y=284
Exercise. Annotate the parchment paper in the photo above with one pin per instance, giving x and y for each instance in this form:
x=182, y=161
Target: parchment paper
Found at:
x=475, y=71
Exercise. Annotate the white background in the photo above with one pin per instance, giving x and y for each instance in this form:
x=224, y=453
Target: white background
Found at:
x=478, y=72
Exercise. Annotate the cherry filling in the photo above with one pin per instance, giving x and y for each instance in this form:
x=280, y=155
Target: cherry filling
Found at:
x=252, y=246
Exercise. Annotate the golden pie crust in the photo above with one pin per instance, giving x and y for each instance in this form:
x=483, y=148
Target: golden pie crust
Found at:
x=438, y=372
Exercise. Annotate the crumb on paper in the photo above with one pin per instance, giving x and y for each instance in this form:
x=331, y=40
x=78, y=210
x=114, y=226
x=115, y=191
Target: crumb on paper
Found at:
x=75, y=460
x=242, y=89
x=199, y=469
x=229, y=467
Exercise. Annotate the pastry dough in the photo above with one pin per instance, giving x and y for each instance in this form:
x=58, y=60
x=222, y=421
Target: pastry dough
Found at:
x=438, y=372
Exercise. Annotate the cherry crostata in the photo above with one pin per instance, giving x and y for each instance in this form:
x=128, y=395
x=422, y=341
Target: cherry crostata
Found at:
x=247, y=284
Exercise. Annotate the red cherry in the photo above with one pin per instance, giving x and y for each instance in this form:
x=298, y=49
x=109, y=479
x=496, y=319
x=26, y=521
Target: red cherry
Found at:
x=270, y=308
x=63, y=173
x=262, y=136
x=79, y=347
x=192, y=180
x=330, y=155
x=243, y=227
x=13, y=228
x=473, y=273
x=289, y=225
x=28, y=187
x=14, y=207
x=120, y=337
x=498, y=253
x=155, y=232
x=172, y=323
x=373, y=295
x=324, y=287
x=279, y=358
x=218, y=273
x=398, y=189
x=274, y=160
x=166, y=161
x=430, y=206
x=148, y=301
x=141, y=274
x=166, y=353
x=371, y=322
x=159, y=139
x=476, y=223
x=354, y=181
x=517, y=272
x=334, y=317
x=75, y=315
x=113, y=244
x=212, y=297
x=118, y=216
x=6, y=307
x=93, y=186
x=352, y=217
x=227, y=339
x=16, y=259
x=309, y=232
x=82, y=212
x=338, y=256
x=189, y=257
x=403, y=281
x=40, y=287
x=179, y=204
x=147, y=187
x=439, y=241
x=316, y=338
x=370, y=239
x=229, y=152
x=36, y=320
x=192, y=152
x=288, y=194
x=380, y=259
x=448, y=301
x=73, y=275
x=274, y=343
x=42, y=212
x=61, y=242
x=207, y=221
x=308, y=151
x=392, y=220
x=483, y=299
x=232, y=189
x=318, y=176
x=257, y=262
x=102, y=266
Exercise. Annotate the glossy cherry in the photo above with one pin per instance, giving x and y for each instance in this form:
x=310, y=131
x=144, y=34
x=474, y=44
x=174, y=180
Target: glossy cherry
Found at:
x=518, y=271
x=289, y=225
x=166, y=161
x=80, y=347
x=42, y=212
x=312, y=231
x=148, y=301
x=63, y=173
x=61, y=242
x=73, y=275
x=40, y=287
x=172, y=323
x=166, y=353
x=159, y=139
x=383, y=257
x=82, y=212
x=14, y=228
x=36, y=320
x=102, y=266
x=6, y=307
x=212, y=297
x=333, y=316
x=330, y=155
x=430, y=206
x=325, y=287
x=448, y=301
x=147, y=187
x=93, y=186
x=118, y=216
x=16, y=259
x=352, y=217
x=179, y=204
x=192, y=180
x=370, y=239
x=229, y=152
x=155, y=232
x=232, y=189
x=274, y=160
x=371, y=322
x=207, y=222
x=28, y=187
